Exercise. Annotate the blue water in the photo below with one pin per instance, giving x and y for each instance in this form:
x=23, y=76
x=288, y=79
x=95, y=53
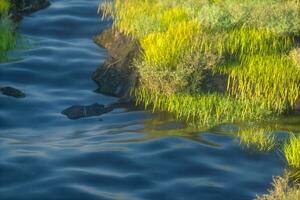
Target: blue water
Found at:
x=127, y=154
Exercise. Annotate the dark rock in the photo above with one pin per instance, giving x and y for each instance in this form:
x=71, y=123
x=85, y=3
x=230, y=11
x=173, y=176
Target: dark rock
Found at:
x=10, y=91
x=117, y=75
x=77, y=111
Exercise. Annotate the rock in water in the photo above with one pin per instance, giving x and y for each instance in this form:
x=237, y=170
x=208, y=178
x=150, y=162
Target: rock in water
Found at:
x=77, y=111
x=13, y=92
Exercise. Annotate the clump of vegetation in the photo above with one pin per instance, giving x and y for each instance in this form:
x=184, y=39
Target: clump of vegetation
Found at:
x=7, y=37
x=259, y=138
x=292, y=151
x=4, y=6
x=274, y=80
x=248, y=41
x=295, y=55
x=282, y=190
x=202, y=109
x=7, y=34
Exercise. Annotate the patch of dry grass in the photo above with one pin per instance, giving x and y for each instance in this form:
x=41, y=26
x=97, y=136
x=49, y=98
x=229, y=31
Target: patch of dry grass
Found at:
x=282, y=190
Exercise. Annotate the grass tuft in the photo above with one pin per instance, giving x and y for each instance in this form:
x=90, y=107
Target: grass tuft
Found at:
x=248, y=41
x=292, y=151
x=7, y=37
x=259, y=138
x=4, y=6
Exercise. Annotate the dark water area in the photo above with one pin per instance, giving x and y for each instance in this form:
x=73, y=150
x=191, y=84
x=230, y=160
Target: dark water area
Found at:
x=126, y=154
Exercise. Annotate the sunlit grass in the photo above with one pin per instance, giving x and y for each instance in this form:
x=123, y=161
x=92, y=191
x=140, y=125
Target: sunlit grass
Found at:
x=7, y=37
x=248, y=41
x=274, y=80
x=282, y=190
x=202, y=109
x=259, y=138
x=165, y=49
x=292, y=151
x=295, y=55
x=4, y=6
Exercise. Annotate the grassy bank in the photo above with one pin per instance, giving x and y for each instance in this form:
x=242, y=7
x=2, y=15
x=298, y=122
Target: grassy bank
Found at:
x=253, y=43
x=7, y=35
x=282, y=190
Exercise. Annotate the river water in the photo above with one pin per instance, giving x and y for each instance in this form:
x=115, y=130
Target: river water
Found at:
x=127, y=154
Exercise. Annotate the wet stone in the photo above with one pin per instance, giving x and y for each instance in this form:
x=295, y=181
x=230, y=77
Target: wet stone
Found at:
x=78, y=111
x=13, y=92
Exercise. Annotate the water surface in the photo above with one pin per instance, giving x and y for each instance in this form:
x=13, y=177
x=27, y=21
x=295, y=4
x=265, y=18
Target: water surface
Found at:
x=125, y=154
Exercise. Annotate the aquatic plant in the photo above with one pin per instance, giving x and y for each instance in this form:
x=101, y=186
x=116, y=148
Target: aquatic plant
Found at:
x=295, y=55
x=291, y=151
x=280, y=15
x=259, y=138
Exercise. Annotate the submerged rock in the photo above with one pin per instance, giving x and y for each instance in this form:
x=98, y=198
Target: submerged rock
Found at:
x=13, y=92
x=78, y=111
x=117, y=75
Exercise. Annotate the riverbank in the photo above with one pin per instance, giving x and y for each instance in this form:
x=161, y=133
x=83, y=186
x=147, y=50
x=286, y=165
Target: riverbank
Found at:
x=207, y=63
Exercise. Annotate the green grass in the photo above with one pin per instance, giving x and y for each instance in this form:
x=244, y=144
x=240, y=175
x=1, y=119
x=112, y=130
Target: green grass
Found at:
x=4, y=6
x=7, y=33
x=292, y=151
x=202, y=109
x=259, y=138
x=249, y=41
x=7, y=37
